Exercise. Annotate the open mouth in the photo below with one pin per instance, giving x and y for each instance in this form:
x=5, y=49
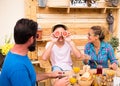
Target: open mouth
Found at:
x=61, y=38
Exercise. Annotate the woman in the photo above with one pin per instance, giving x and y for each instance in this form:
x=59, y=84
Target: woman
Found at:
x=99, y=51
x=59, y=49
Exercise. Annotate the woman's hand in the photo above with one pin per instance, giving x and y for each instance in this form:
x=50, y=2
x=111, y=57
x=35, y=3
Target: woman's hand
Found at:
x=62, y=82
x=113, y=66
x=86, y=58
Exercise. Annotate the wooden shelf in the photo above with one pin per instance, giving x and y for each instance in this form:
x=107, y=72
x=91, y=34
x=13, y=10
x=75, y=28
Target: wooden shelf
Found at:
x=44, y=38
x=100, y=5
x=103, y=9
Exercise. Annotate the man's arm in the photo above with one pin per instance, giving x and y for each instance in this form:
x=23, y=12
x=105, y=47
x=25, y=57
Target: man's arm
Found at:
x=43, y=76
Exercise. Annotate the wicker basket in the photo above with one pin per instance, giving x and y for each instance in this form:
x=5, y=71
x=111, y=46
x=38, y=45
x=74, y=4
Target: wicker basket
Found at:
x=85, y=82
x=58, y=3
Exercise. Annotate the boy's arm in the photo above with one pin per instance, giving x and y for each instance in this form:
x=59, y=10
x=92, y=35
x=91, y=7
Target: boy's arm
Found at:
x=47, y=51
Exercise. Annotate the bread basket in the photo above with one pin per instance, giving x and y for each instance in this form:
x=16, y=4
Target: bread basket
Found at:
x=85, y=83
x=86, y=79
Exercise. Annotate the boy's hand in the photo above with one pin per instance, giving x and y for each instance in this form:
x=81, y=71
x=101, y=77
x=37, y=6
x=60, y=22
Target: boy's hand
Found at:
x=53, y=38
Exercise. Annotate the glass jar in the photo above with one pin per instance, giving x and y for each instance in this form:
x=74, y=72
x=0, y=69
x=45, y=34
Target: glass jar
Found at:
x=99, y=69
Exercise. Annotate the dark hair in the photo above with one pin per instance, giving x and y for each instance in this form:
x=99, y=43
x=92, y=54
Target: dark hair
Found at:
x=24, y=29
x=58, y=26
x=98, y=31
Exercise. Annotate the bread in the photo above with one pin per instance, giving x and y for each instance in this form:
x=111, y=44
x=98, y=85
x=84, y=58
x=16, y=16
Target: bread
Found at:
x=86, y=68
x=86, y=76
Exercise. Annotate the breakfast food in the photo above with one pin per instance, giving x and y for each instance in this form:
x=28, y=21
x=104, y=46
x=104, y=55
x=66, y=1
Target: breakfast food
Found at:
x=86, y=76
x=65, y=34
x=73, y=80
x=86, y=73
x=57, y=34
x=76, y=69
x=86, y=68
x=110, y=72
x=86, y=79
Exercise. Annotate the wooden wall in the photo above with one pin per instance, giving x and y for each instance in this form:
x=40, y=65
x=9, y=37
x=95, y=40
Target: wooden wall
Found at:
x=78, y=20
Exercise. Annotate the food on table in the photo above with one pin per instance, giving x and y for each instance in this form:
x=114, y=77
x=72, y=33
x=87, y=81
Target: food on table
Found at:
x=99, y=69
x=76, y=69
x=86, y=76
x=103, y=80
x=73, y=80
x=86, y=79
x=110, y=74
x=86, y=68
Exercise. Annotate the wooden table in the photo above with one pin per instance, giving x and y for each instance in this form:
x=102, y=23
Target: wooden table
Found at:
x=93, y=71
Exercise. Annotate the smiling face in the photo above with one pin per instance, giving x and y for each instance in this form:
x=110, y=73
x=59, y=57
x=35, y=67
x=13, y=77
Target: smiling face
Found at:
x=91, y=36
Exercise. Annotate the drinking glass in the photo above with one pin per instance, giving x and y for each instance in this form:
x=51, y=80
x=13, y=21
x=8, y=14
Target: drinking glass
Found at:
x=99, y=69
x=76, y=70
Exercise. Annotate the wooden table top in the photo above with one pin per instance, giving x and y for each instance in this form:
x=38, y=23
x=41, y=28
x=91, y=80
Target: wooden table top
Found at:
x=93, y=71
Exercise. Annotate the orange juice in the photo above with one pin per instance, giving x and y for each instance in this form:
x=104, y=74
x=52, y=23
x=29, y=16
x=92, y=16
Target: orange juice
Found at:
x=73, y=80
x=76, y=69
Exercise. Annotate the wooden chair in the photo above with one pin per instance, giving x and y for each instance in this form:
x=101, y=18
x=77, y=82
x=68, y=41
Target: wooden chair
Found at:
x=46, y=66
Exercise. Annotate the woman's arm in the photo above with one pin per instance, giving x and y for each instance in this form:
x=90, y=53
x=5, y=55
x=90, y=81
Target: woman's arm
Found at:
x=86, y=55
x=113, y=60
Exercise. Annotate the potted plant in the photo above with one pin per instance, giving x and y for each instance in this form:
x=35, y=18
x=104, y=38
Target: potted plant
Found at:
x=4, y=50
x=114, y=41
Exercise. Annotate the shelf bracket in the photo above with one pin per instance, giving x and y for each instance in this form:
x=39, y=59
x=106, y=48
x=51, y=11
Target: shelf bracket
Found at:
x=68, y=10
x=104, y=10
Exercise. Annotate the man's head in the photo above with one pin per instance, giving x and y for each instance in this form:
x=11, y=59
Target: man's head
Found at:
x=24, y=30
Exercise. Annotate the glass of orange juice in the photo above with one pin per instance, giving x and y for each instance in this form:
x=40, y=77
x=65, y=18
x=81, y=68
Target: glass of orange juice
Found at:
x=72, y=80
x=76, y=70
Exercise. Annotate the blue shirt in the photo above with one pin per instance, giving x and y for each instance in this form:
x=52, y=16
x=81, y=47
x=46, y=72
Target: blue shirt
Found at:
x=105, y=53
x=17, y=70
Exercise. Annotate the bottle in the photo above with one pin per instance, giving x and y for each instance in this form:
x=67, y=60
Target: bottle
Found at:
x=39, y=33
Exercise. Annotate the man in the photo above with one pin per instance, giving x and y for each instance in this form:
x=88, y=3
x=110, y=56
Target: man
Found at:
x=17, y=69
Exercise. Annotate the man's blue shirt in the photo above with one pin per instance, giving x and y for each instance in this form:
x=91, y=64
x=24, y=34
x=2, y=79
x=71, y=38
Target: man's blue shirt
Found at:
x=17, y=70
